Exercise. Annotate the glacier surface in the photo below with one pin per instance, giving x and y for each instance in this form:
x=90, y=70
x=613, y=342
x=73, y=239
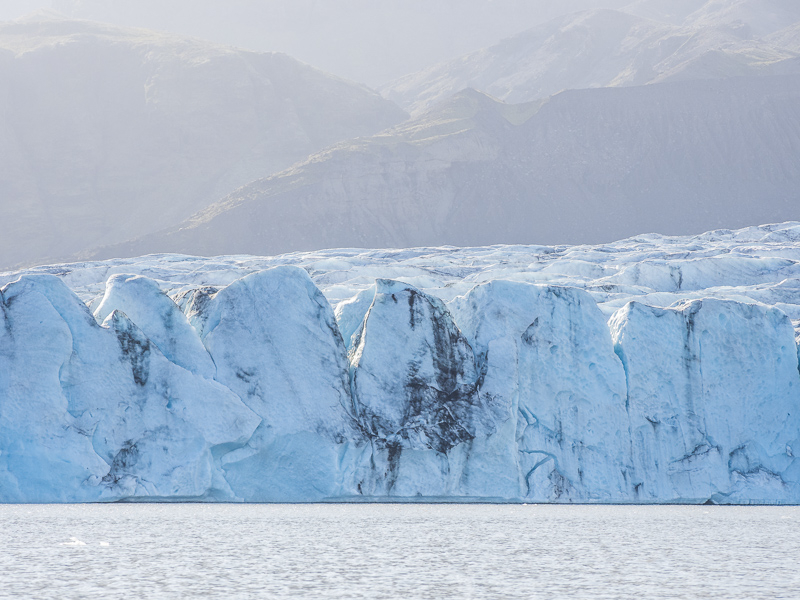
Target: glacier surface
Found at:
x=653, y=369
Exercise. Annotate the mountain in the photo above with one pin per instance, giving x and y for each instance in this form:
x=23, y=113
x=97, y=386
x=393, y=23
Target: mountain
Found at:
x=597, y=48
x=109, y=133
x=378, y=42
x=584, y=166
x=788, y=38
x=759, y=17
x=367, y=41
x=666, y=11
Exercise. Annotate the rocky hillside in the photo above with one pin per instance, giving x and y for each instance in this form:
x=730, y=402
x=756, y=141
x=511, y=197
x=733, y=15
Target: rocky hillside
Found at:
x=584, y=166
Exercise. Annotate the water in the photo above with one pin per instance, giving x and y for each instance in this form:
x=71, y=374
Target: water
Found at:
x=398, y=552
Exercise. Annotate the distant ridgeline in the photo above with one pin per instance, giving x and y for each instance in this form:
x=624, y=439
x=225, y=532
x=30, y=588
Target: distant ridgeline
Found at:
x=259, y=392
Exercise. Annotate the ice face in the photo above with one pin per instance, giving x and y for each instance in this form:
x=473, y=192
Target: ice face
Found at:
x=545, y=354
x=275, y=343
x=44, y=455
x=159, y=318
x=114, y=417
x=511, y=390
x=713, y=391
x=414, y=388
x=414, y=377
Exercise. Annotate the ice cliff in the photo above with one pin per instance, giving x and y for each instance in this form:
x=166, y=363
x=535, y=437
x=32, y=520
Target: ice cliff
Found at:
x=253, y=387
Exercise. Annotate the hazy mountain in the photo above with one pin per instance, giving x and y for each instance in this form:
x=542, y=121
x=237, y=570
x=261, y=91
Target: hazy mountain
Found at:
x=594, y=49
x=376, y=42
x=759, y=17
x=365, y=40
x=584, y=166
x=667, y=11
x=788, y=38
x=108, y=133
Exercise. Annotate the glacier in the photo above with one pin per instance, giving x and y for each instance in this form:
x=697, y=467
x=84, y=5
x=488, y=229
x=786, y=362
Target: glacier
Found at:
x=650, y=370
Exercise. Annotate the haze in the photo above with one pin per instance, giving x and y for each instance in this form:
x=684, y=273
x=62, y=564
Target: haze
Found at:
x=367, y=41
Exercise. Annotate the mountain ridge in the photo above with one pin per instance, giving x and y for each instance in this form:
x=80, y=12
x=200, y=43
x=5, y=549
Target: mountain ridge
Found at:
x=596, y=48
x=585, y=166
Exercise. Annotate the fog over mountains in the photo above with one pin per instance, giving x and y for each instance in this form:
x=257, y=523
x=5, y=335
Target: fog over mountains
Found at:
x=111, y=133
x=364, y=40
x=593, y=49
x=530, y=123
x=375, y=42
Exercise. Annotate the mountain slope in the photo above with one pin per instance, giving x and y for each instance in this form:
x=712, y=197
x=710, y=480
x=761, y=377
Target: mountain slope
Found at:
x=592, y=49
x=760, y=17
x=788, y=38
x=104, y=128
x=666, y=11
x=371, y=42
x=584, y=166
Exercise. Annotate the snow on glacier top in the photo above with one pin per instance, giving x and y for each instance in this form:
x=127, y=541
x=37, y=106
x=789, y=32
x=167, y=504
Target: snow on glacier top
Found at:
x=755, y=264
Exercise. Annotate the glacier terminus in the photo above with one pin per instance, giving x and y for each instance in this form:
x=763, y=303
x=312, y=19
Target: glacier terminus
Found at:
x=650, y=370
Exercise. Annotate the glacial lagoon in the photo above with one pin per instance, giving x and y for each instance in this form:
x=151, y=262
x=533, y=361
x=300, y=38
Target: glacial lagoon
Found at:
x=398, y=551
